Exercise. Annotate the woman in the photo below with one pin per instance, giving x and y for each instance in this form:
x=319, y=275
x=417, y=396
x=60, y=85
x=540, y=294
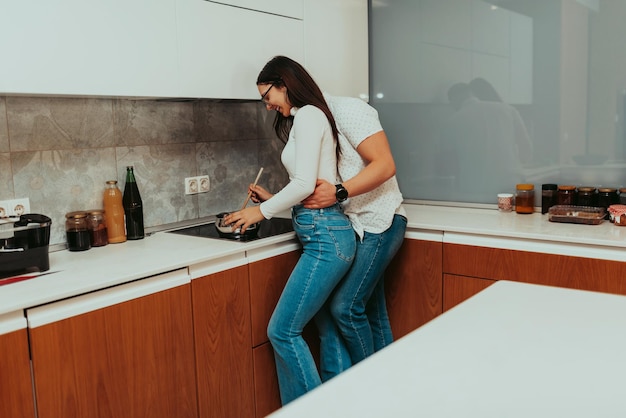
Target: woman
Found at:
x=375, y=209
x=305, y=123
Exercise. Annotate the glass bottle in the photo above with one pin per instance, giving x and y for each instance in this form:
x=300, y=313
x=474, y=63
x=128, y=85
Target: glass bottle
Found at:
x=97, y=227
x=524, y=198
x=133, y=207
x=114, y=213
x=76, y=231
x=548, y=197
x=566, y=195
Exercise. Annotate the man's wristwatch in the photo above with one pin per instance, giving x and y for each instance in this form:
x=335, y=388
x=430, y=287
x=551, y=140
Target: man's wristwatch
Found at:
x=341, y=194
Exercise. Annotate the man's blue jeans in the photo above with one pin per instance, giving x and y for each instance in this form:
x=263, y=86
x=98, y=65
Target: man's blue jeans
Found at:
x=329, y=246
x=357, y=310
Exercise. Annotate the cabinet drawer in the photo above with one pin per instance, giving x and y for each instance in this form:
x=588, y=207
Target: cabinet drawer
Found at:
x=267, y=280
x=539, y=268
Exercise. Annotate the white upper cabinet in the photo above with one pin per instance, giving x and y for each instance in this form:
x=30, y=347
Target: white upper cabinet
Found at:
x=289, y=8
x=222, y=48
x=336, y=46
x=77, y=47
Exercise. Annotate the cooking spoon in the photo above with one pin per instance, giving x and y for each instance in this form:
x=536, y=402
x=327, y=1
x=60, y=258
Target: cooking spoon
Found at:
x=250, y=192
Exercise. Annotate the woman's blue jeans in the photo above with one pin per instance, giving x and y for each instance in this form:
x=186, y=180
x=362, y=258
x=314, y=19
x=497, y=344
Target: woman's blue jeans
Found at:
x=357, y=307
x=329, y=245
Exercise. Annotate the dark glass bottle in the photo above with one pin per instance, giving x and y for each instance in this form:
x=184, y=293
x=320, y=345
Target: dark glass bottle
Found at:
x=133, y=207
x=548, y=197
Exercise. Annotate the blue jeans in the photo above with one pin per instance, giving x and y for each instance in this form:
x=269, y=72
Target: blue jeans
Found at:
x=358, y=305
x=329, y=246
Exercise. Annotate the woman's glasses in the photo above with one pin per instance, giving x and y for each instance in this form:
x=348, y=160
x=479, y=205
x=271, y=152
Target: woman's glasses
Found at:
x=263, y=99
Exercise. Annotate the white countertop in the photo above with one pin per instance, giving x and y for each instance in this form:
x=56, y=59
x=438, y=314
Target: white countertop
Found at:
x=98, y=268
x=512, y=350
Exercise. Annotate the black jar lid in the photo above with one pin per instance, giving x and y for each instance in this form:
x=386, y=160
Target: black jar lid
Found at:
x=548, y=186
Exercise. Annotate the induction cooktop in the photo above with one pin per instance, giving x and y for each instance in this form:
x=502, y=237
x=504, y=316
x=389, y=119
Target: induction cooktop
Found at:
x=267, y=228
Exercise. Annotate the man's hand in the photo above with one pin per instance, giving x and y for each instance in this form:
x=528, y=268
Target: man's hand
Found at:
x=322, y=197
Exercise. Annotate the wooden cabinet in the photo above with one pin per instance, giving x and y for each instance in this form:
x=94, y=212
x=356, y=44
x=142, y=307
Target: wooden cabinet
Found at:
x=126, y=351
x=413, y=283
x=524, y=266
x=16, y=388
x=343, y=69
x=223, y=344
x=458, y=288
x=268, y=276
x=111, y=48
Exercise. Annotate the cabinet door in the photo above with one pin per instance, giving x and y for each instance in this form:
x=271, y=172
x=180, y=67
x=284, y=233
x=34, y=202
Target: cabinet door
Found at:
x=336, y=46
x=267, y=280
x=16, y=388
x=110, y=48
x=267, y=395
x=290, y=8
x=122, y=352
x=458, y=288
x=539, y=268
x=221, y=316
x=413, y=283
x=222, y=48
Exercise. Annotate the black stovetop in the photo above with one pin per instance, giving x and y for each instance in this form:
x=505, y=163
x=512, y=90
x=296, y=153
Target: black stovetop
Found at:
x=267, y=228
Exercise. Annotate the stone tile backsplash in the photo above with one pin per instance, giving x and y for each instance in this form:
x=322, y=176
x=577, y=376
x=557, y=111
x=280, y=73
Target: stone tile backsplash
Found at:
x=59, y=152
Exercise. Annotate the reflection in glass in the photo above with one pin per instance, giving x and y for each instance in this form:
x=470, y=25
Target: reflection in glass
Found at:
x=556, y=72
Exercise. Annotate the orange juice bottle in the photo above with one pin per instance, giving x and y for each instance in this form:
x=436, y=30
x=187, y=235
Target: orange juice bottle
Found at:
x=114, y=213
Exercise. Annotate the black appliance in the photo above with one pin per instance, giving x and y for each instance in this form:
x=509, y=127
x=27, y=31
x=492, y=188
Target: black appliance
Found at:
x=24, y=247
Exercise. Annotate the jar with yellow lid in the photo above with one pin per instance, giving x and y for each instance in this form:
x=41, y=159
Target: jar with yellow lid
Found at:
x=524, y=198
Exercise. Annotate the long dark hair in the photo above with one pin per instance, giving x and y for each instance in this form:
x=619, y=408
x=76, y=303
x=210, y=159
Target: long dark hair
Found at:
x=301, y=91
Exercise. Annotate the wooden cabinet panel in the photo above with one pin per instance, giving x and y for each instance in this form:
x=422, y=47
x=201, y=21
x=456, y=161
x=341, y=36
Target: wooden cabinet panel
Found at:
x=221, y=316
x=413, y=285
x=267, y=396
x=458, y=288
x=267, y=280
x=132, y=359
x=549, y=269
x=16, y=389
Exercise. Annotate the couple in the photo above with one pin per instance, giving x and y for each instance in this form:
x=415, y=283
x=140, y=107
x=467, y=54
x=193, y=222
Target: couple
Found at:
x=338, y=279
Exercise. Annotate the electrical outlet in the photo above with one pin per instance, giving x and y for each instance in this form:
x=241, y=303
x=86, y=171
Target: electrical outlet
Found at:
x=204, y=184
x=191, y=185
x=14, y=207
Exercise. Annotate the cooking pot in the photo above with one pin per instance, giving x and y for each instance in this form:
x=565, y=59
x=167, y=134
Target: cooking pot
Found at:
x=227, y=231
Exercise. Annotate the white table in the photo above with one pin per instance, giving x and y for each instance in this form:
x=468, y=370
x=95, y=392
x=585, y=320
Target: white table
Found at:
x=513, y=350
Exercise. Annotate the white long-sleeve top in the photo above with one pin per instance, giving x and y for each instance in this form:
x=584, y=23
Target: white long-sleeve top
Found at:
x=308, y=155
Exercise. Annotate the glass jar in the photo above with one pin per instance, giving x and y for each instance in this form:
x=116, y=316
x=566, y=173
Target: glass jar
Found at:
x=622, y=195
x=97, y=227
x=548, y=197
x=566, y=195
x=587, y=196
x=76, y=231
x=607, y=196
x=524, y=198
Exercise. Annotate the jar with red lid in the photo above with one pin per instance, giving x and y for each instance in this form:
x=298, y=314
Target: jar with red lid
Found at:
x=524, y=198
x=566, y=195
x=617, y=214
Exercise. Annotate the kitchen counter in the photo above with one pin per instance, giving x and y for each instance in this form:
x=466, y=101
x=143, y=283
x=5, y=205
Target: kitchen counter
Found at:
x=512, y=350
x=98, y=268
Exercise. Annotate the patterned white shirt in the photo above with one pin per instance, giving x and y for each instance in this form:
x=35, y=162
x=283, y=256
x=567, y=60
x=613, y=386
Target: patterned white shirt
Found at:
x=372, y=211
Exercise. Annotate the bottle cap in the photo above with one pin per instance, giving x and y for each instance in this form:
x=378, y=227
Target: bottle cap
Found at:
x=525, y=186
x=549, y=186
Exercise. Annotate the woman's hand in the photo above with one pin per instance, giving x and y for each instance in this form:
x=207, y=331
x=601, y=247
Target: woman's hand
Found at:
x=244, y=218
x=259, y=194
